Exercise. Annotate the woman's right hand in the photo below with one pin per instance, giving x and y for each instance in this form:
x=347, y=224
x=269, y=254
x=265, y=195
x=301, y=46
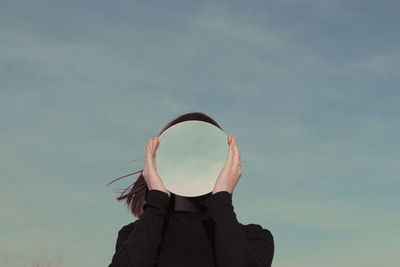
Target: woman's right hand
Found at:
x=153, y=180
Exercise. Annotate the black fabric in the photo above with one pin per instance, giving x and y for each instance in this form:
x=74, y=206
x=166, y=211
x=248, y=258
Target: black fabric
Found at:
x=164, y=237
x=191, y=204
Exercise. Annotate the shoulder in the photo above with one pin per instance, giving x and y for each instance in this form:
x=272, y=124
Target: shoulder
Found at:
x=128, y=227
x=123, y=233
x=253, y=230
x=261, y=241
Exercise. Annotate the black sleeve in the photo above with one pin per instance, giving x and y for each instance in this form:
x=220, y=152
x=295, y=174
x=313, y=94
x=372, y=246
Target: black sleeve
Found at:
x=234, y=246
x=139, y=246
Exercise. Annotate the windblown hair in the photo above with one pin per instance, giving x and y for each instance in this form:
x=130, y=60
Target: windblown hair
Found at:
x=135, y=195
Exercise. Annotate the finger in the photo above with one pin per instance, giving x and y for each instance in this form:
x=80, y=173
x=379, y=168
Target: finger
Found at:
x=151, y=141
x=152, y=145
x=156, y=144
x=236, y=153
x=157, y=140
x=150, y=153
x=237, y=161
x=230, y=153
x=236, y=148
x=147, y=157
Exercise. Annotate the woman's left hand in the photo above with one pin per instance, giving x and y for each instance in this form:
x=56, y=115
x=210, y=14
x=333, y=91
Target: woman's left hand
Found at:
x=232, y=170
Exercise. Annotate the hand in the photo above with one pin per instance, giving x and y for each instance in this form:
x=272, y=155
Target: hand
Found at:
x=232, y=170
x=153, y=180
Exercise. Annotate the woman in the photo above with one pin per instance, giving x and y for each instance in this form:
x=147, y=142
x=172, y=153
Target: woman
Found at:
x=176, y=231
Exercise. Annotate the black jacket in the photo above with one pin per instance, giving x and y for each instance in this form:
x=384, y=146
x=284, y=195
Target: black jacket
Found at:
x=182, y=239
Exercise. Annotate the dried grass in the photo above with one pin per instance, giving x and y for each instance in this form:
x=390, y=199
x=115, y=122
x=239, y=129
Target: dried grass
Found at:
x=45, y=263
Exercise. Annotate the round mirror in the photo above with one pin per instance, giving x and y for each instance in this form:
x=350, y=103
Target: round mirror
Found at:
x=190, y=157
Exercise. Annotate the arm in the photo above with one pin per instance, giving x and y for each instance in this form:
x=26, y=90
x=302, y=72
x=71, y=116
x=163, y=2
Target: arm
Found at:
x=139, y=248
x=234, y=247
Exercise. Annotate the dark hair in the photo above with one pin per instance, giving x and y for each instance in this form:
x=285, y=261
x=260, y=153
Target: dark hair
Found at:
x=137, y=192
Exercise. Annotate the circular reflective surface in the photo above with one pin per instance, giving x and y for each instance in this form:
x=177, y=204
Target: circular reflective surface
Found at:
x=190, y=156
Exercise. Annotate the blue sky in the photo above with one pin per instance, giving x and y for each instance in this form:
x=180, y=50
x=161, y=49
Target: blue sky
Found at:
x=309, y=89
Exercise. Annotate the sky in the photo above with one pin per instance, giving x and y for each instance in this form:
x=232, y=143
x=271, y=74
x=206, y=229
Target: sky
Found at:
x=309, y=89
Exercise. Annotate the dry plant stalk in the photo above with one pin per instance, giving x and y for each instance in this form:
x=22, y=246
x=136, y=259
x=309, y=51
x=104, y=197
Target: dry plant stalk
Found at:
x=40, y=263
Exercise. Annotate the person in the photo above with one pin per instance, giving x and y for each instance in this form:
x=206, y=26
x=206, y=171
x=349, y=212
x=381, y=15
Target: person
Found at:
x=176, y=231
